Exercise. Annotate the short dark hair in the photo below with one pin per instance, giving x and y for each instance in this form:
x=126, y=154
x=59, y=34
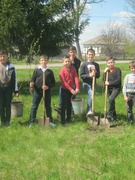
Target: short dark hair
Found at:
x=43, y=56
x=3, y=52
x=72, y=48
x=91, y=50
x=66, y=56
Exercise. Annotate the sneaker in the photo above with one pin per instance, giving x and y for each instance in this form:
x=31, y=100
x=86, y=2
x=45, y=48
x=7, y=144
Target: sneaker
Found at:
x=30, y=125
x=52, y=124
x=90, y=113
x=113, y=119
x=108, y=116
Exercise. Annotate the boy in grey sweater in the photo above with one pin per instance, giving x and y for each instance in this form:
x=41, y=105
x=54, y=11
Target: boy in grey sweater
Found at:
x=129, y=90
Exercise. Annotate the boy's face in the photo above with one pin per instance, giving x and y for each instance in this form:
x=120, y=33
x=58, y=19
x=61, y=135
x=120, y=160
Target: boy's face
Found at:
x=132, y=69
x=90, y=56
x=72, y=54
x=66, y=62
x=110, y=63
x=43, y=62
x=3, y=58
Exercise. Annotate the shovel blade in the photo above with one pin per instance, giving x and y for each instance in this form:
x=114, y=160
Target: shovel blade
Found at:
x=47, y=122
x=104, y=122
x=93, y=120
x=41, y=121
x=44, y=122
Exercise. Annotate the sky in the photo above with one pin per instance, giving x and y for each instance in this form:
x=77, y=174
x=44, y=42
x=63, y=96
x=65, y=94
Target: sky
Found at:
x=100, y=14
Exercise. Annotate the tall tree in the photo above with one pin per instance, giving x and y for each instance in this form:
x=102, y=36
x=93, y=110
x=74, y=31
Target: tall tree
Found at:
x=112, y=35
x=10, y=17
x=40, y=26
x=131, y=18
x=78, y=8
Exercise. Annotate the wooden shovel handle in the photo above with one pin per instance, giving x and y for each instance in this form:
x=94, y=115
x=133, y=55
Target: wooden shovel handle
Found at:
x=93, y=89
x=44, y=97
x=106, y=89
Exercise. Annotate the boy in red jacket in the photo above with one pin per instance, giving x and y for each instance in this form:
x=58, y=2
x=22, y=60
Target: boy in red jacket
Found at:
x=69, y=86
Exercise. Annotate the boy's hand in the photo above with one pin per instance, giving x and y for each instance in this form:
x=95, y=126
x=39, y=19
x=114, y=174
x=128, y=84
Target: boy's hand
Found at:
x=17, y=94
x=106, y=69
x=44, y=87
x=31, y=84
x=77, y=91
x=107, y=83
x=92, y=74
x=93, y=68
x=73, y=92
x=126, y=98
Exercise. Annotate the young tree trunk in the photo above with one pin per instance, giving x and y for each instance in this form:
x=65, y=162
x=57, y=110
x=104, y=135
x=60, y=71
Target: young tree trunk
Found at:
x=78, y=50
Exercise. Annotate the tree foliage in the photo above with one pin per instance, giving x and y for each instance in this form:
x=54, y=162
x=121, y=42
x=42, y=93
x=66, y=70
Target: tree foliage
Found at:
x=38, y=26
x=78, y=9
x=41, y=26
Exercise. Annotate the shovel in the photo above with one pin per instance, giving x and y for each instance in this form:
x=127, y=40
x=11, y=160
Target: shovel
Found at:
x=104, y=121
x=91, y=119
x=44, y=121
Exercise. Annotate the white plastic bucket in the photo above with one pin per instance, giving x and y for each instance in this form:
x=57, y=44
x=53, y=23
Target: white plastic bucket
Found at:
x=16, y=109
x=78, y=105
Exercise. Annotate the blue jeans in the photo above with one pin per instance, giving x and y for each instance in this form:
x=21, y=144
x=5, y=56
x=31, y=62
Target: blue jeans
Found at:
x=36, y=100
x=60, y=98
x=88, y=89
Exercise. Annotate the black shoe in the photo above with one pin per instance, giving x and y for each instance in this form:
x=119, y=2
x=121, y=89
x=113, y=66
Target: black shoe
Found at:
x=7, y=124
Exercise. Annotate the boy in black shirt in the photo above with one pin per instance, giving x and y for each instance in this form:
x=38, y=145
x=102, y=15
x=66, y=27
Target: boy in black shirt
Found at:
x=114, y=86
x=37, y=83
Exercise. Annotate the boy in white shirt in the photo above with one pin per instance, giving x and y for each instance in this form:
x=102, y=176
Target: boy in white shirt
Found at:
x=129, y=90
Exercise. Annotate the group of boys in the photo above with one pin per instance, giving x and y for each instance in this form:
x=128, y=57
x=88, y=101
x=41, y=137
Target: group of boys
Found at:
x=43, y=80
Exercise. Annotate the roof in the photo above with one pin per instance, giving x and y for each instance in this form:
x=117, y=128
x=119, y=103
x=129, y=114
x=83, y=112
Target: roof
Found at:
x=97, y=41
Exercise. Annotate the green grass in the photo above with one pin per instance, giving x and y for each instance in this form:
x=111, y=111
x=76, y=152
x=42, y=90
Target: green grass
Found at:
x=75, y=152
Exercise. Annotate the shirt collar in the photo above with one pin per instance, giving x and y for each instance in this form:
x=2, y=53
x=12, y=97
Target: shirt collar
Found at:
x=43, y=69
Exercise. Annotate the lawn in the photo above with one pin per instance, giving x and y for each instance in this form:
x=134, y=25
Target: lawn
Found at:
x=75, y=152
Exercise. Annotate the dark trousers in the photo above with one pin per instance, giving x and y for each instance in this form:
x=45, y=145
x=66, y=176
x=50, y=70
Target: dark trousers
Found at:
x=112, y=94
x=36, y=100
x=60, y=98
x=130, y=104
x=5, y=104
x=66, y=105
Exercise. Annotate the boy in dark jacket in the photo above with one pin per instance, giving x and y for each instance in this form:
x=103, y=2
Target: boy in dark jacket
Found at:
x=89, y=69
x=114, y=86
x=8, y=85
x=37, y=83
